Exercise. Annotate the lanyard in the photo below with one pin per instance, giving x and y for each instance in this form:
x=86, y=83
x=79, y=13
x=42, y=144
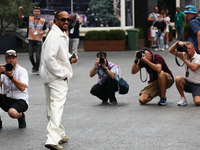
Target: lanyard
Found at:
x=190, y=61
x=35, y=24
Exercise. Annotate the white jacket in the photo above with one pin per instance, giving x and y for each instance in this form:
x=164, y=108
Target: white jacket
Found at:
x=55, y=56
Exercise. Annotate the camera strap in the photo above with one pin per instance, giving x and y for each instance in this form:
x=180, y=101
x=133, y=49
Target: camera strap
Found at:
x=178, y=62
x=141, y=76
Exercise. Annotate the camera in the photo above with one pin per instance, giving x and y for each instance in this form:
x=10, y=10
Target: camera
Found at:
x=8, y=67
x=181, y=48
x=140, y=54
x=102, y=60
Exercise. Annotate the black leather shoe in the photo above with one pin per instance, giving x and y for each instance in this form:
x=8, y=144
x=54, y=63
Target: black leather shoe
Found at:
x=0, y=123
x=21, y=121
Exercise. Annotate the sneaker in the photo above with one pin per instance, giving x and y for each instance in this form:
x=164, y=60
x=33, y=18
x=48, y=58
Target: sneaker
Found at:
x=21, y=121
x=33, y=70
x=104, y=102
x=167, y=46
x=113, y=102
x=163, y=101
x=153, y=46
x=0, y=123
x=182, y=102
x=37, y=72
x=65, y=139
x=53, y=147
x=156, y=49
x=162, y=49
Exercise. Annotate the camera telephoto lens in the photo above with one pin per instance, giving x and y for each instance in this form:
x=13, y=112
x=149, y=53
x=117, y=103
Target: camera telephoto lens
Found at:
x=101, y=60
x=8, y=67
x=140, y=54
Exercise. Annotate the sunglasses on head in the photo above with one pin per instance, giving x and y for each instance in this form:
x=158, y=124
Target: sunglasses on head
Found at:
x=36, y=7
x=64, y=19
x=11, y=54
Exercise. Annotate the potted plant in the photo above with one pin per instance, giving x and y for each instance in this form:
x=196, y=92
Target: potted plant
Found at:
x=141, y=39
x=170, y=33
x=186, y=28
x=105, y=40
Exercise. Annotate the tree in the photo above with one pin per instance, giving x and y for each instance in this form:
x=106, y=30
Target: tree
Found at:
x=101, y=13
x=9, y=12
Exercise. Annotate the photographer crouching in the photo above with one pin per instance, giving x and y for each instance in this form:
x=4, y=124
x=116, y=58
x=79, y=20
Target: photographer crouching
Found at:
x=107, y=75
x=14, y=80
x=161, y=77
x=191, y=82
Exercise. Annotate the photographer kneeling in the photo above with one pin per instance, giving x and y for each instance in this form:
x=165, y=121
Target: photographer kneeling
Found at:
x=107, y=75
x=14, y=79
x=191, y=82
x=161, y=77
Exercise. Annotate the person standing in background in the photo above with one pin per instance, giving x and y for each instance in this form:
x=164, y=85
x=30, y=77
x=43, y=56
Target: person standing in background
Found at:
x=179, y=22
x=74, y=32
x=166, y=19
x=151, y=20
x=36, y=28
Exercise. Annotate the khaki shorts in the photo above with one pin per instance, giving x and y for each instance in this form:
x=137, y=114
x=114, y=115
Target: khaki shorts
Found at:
x=153, y=88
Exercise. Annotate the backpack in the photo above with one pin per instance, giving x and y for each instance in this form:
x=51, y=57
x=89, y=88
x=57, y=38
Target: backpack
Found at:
x=122, y=84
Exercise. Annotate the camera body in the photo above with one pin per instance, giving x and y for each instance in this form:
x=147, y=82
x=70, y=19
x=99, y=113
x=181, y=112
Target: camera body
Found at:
x=102, y=60
x=181, y=48
x=8, y=67
x=140, y=54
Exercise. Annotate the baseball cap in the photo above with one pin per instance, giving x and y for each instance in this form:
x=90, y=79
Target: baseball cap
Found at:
x=10, y=53
x=190, y=9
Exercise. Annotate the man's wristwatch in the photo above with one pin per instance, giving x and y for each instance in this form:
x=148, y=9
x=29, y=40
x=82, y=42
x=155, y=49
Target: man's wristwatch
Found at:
x=105, y=68
x=11, y=77
x=136, y=61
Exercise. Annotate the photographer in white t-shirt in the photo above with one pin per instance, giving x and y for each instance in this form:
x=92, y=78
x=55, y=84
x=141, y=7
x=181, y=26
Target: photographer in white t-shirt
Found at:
x=14, y=83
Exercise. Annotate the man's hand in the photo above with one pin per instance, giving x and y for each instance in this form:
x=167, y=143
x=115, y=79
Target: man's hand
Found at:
x=1, y=69
x=181, y=55
x=181, y=43
x=97, y=62
x=21, y=8
x=136, y=55
x=163, y=34
x=74, y=60
x=144, y=59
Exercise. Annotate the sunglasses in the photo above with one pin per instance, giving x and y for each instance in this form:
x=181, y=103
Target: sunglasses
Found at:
x=36, y=7
x=64, y=19
x=11, y=54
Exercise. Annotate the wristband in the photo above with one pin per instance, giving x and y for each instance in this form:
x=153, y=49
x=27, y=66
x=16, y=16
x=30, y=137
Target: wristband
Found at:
x=11, y=77
x=136, y=61
x=105, y=69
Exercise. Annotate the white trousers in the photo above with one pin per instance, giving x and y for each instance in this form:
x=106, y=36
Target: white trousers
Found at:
x=56, y=93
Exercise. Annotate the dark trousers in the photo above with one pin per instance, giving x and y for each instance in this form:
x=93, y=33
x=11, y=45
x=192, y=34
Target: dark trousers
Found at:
x=37, y=45
x=105, y=91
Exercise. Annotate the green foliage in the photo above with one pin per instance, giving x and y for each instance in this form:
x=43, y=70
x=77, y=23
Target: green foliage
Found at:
x=100, y=12
x=116, y=35
x=186, y=27
x=170, y=29
x=9, y=11
x=105, y=35
x=140, y=33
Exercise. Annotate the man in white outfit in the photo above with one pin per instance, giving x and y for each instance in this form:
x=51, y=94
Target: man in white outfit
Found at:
x=56, y=71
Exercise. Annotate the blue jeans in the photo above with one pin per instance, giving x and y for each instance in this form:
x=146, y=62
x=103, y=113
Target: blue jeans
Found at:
x=159, y=35
x=180, y=31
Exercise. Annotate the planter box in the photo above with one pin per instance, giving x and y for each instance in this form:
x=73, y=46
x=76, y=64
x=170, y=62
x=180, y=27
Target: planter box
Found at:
x=141, y=43
x=108, y=45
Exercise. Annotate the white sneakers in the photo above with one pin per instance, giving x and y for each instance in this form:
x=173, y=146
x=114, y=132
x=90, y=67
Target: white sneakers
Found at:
x=157, y=49
x=167, y=46
x=182, y=102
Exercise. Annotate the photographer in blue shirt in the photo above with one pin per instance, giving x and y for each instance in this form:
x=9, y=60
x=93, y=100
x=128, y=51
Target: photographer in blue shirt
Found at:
x=194, y=28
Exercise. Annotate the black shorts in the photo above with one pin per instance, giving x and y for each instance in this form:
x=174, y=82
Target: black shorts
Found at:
x=192, y=88
x=6, y=103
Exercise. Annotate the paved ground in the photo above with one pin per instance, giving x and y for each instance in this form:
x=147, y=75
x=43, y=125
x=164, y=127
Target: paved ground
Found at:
x=92, y=126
